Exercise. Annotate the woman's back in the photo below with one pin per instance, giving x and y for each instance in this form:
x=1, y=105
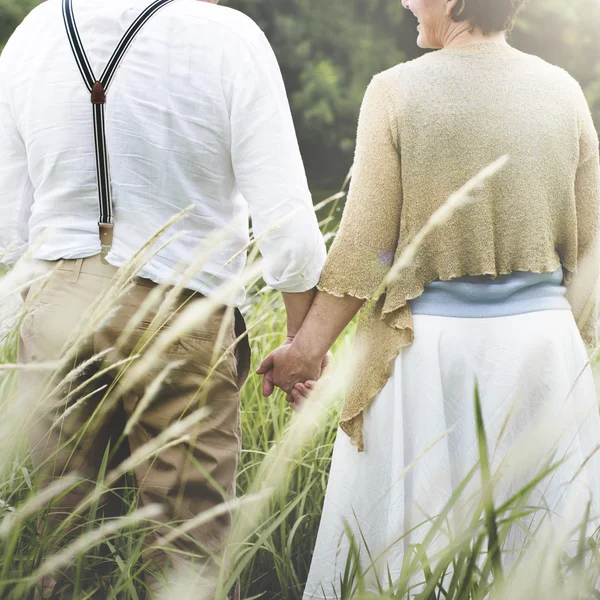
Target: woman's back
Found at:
x=481, y=101
x=455, y=112
x=426, y=128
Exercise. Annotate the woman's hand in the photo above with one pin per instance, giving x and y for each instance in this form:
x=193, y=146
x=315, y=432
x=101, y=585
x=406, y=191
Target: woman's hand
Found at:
x=301, y=393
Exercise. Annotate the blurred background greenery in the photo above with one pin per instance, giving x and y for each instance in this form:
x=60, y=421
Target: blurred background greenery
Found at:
x=329, y=50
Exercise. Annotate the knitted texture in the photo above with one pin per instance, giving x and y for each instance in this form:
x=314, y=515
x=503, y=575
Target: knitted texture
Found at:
x=427, y=127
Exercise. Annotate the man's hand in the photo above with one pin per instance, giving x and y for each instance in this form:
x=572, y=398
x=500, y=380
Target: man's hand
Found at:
x=268, y=385
x=285, y=367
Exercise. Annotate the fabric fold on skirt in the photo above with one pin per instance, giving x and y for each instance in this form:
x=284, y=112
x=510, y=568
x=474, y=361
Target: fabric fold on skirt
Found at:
x=537, y=397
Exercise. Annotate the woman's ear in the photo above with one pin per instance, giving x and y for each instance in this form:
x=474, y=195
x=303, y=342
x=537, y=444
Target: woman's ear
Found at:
x=451, y=7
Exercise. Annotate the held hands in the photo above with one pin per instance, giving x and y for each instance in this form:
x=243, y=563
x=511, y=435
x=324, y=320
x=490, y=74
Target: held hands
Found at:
x=291, y=370
x=299, y=362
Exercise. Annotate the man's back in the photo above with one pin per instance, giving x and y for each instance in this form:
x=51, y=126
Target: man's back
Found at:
x=196, y=116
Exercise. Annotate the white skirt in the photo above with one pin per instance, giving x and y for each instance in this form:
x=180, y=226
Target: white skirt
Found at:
x=537, y=396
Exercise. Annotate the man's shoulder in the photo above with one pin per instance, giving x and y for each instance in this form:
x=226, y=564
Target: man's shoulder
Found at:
x=229, y=20
x=37, y=16
x=39, y=12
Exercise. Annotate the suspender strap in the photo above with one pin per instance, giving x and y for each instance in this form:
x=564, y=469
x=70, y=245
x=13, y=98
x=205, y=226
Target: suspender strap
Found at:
x=98, y=89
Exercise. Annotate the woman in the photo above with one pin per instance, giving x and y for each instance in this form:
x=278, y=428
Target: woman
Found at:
x=495, y=294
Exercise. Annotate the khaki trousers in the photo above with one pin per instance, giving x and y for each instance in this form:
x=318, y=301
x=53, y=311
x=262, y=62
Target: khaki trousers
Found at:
x=78, y=425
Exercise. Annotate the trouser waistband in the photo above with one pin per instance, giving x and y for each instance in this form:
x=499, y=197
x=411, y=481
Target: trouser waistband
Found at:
x=94, y=265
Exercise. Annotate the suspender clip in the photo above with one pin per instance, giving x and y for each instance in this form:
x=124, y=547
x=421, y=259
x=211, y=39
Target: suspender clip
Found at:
x=98, y=94
x=106, y=239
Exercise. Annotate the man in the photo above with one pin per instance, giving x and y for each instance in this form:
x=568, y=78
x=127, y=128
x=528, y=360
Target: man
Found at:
x=196, y=115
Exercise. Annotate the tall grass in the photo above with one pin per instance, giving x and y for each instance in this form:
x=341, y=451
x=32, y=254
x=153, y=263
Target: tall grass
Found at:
x=281, y=485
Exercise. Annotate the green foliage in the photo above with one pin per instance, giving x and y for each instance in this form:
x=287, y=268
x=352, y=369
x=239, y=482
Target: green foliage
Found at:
x=328, y=52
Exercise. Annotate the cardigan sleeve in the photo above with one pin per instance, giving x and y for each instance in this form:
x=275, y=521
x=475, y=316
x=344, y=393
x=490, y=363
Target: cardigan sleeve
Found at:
x=364, y=248
x=582, y=290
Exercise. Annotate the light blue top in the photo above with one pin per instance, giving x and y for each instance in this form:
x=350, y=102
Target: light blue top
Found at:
x=482, y=297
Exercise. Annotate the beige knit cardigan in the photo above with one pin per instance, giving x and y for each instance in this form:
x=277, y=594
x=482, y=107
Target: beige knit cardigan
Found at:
x=426, y=128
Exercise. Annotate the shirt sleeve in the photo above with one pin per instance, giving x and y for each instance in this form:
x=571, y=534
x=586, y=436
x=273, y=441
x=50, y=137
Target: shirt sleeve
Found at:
x=270, y=174
x=365, y=246
x=582, y=289
x=16, y=190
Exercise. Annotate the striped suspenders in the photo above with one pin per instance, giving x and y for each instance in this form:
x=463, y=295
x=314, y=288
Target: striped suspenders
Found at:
x=98, y=89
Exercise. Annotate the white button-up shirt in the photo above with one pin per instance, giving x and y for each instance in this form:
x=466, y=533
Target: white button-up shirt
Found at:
x=196, y=116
